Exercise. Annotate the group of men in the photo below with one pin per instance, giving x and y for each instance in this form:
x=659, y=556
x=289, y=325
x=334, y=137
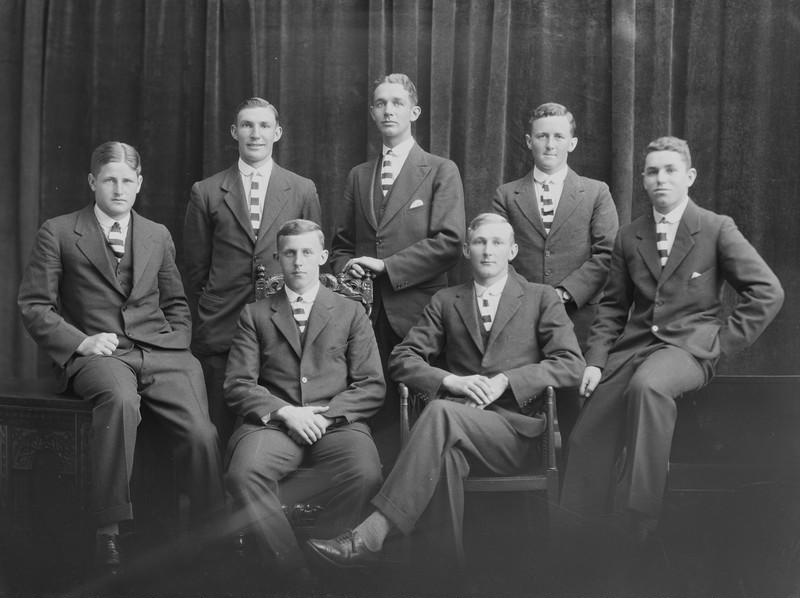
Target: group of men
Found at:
x=627, y=321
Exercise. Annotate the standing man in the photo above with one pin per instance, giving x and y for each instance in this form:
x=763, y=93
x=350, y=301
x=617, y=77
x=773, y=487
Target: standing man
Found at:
x=103, y=297
x=565, y=226
x=401, y=221
x=229, y=236
x=483, y=351
x=658, y=334
x=303, y=376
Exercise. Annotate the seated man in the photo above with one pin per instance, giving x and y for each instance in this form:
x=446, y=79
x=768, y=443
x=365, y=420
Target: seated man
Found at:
x=103, y=297
x=659, y=333
x=303, y=375
x=502, y=341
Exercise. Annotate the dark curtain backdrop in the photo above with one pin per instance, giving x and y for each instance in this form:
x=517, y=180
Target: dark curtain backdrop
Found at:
x=165, y=75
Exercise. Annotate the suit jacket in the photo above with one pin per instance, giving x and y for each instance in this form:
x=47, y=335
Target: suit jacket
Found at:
x=419, y=236
x=221, y=254
x=681, y=304
x=531, y=341
x=69, y=290
x=576, y=253
x=338, y=364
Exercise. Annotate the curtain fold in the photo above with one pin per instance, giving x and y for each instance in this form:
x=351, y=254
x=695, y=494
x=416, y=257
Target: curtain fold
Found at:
x=166, y=76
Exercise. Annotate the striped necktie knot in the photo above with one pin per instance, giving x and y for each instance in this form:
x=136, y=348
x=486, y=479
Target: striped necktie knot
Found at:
x=661, y=241
x=547, y=206
x=300, y=314
x=116, y=241
x=387, y=174
x=255, y=201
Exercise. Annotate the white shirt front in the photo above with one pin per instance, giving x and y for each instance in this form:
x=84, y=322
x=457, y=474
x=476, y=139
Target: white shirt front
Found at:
x=556, y=185
x=106, y=222
x=488, y=299
x=399, y=154
x=673, y=219
x=246, y=173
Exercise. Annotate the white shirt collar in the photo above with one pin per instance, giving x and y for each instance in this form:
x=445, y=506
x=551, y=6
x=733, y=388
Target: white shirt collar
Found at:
x=557, y=177
x=106, y=221
x=265, y=169
x=493, y=290
x=400, y=150
x=308, y=297
x=675, y=215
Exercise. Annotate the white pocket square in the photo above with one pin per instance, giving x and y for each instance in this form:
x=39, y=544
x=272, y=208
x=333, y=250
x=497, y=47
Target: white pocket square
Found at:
x=415, y=204
x=695, y=275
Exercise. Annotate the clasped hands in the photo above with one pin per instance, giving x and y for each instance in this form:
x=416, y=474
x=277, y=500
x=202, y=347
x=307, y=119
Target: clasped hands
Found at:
x=358, y=267
x=102, y=343
x=305, y=425
x=481, y=391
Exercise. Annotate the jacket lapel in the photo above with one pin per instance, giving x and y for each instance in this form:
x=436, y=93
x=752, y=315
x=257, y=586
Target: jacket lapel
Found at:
x=510, y=302
x=684, y=241
x=274, y=201
x=235, y=199
x=570, y=197
x=284, y=321
x=467, y=310
x=91, y=243
x=366, y=182
x=646, y=233
x=414, y=171
x=525, y=198
x=320, y=314
x=141, y=246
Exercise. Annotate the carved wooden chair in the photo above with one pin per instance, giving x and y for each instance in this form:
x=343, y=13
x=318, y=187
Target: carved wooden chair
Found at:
x=543, y=475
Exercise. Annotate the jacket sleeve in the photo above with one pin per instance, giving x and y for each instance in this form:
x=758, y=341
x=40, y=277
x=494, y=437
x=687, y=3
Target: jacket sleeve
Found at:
x=172, y=298
x=39, y=299
x=584, y=283
x=366, y=388
x=197, y=244
x=343, y=241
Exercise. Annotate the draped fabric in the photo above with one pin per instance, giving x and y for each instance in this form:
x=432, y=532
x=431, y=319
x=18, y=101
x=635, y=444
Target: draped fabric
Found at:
x=166, y=76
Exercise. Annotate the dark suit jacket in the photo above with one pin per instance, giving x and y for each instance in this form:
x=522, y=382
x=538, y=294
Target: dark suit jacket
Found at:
x=338, y=364
x=69, y=290
x=531, y=341
x=680, y=305
x=221, y=254
x=577, y=252
x=419, y=236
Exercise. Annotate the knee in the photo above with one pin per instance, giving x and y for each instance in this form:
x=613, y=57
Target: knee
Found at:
x=202, y=434
x=643, y=392
x=241, y=478
x=117, y=401
x=368, y=473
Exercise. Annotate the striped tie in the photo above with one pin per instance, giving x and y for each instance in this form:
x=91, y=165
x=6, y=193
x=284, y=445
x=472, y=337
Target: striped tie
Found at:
x=547, y=205
x=255, y=209
x=116, y=241
x=387, y=174
x=300, y=315
x=661, y=241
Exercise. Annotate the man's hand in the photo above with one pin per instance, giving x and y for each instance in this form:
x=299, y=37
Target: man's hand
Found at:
x=305, y=425
x=591, y=378
x=563, y=294
x=359, y=266
x=103, y=343
x=481, y=390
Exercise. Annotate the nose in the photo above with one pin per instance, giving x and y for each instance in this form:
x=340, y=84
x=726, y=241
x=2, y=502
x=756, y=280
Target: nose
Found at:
x=661, y=175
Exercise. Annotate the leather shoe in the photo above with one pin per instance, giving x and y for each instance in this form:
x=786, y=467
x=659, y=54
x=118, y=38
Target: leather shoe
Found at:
x=106, y=553
x=347, y=551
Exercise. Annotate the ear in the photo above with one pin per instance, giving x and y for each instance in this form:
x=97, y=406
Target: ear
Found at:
x=93, y=182
x=692, y=174
x=512, y=251
x=465, y=249
x=139, y=186
x=234, y=134
x=529, y=141
x=278, y=133
x=323, y=257
x=572, y=144
x=415, y=112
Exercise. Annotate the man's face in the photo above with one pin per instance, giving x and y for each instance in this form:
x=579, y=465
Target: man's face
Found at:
x=393, y=112
x=550, y=142
x=489, y=249
x=256, y=130
x=115, y=188
x=666, y=179
x=300, y=257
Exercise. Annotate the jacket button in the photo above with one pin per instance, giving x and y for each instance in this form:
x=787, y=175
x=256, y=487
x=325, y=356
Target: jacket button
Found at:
x=303, y=379
x=546, y=253
x=654, y=328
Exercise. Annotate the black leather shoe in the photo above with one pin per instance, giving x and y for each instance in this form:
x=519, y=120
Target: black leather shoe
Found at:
x=346, y=551
x=107, y=554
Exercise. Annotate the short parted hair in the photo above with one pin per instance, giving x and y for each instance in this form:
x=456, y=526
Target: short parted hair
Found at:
x=551, y=109
x=115, y=151
x=298, y=226
x=487, y=218
x=671, y=144
x=255, y=102
x=400, y=79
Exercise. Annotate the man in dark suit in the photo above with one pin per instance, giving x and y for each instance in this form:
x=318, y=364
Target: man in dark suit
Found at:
x=229, y=236
x=565, y=226
x=659, y=332
x=303, y=376
x=103, y=297
x=402, y=221
x=500, y=341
